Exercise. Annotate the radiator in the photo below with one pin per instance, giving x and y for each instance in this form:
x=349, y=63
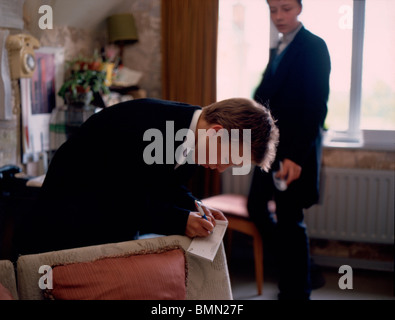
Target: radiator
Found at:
x=356, y=205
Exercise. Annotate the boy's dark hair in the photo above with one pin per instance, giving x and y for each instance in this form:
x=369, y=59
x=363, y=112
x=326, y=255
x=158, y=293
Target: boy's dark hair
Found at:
x=298, y=1
x=242, y=113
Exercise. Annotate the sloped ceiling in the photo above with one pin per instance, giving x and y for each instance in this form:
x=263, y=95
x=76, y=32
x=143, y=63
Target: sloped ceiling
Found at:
x=85, y=14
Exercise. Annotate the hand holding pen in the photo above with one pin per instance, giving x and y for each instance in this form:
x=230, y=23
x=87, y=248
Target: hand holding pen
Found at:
x=214, y=214
x=201, y=224
x=198, y=205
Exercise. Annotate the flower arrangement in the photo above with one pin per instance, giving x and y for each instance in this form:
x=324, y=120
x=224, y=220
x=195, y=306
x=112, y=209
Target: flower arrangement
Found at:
x=84, y=75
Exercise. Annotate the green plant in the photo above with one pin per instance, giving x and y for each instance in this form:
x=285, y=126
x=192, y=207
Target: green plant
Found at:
x=84, y=75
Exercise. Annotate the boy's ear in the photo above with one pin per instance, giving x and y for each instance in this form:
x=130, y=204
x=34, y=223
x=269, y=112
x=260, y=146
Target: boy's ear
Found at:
x=213, y=130
x=216, y=127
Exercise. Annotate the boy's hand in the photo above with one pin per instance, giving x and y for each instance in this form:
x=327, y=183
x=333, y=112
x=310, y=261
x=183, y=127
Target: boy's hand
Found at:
x=290, y=172
x=199, y=227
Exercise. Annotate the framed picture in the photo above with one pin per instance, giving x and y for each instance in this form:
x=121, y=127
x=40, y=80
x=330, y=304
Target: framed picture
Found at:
x=38, y=99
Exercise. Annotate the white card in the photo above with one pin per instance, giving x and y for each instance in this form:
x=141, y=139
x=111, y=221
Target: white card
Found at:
x=207, y=247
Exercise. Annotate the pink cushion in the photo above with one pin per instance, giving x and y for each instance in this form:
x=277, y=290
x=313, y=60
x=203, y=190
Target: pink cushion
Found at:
x=229, y=204
x=159, y=275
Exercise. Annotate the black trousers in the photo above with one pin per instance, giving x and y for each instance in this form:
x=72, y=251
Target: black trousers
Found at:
x=284, y=232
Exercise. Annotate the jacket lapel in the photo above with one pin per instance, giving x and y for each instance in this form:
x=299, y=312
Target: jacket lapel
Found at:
x=286, y=62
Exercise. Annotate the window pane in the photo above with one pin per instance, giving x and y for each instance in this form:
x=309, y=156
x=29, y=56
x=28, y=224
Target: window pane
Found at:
x=332, y=21
x=243, y=46
x=378, y=77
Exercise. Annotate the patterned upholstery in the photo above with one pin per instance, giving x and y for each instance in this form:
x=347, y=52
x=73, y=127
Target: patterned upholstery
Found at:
x=206, y=280
x=7, y=277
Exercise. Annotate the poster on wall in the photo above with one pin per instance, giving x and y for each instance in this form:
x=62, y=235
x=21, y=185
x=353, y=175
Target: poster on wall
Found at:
x=38, y=100
x=43, y=91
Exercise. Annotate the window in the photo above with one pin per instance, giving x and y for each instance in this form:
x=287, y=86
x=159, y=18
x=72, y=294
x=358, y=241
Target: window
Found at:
x=243, y=40
x=378, y=73
x=362, y=99
x=332, y=21
x=358, y=33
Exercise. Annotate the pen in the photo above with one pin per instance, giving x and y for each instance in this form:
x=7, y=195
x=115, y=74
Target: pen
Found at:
x=201, y=211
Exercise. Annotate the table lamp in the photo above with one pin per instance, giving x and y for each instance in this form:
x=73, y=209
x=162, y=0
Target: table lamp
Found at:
x=121, y=30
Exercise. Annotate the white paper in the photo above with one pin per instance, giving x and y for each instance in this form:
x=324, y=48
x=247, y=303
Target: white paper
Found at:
x=207, y=247
x=5, y=79
x=11, y=14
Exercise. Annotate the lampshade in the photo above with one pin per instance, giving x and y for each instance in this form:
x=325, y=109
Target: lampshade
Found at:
x=121, y=28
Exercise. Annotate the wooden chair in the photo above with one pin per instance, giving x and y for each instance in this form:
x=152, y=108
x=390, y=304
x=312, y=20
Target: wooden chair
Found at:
x=234, y=206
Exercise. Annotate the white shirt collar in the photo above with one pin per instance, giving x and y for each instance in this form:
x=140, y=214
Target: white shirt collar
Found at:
x=287, y=38
x=189, y=144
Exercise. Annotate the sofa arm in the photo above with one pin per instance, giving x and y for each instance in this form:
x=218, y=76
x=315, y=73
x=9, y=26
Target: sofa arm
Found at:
x=206, y=280
x=7, y=277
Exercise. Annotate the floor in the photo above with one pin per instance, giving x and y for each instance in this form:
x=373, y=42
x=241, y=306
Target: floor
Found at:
x=366, y=284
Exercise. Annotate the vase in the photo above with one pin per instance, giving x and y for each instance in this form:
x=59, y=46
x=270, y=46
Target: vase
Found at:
x=78, y=110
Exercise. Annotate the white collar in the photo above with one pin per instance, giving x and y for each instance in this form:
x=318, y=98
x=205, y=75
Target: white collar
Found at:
x=189, y=144
x=287, y=38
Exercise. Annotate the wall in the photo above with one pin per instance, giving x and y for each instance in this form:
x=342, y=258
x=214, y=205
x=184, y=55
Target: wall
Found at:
x=8, y=141
x=357, y=158
x=79, y=28
x=145, y=55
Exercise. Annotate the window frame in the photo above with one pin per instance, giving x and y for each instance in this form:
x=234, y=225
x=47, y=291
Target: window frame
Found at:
x=354, y=136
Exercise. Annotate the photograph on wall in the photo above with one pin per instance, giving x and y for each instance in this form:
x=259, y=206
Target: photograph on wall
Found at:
x=38, y=99
x=43, y=91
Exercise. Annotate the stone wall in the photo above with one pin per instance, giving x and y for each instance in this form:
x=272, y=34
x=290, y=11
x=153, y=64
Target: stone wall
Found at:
x=8, y=142
x=144, y=56
x=358, y=159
